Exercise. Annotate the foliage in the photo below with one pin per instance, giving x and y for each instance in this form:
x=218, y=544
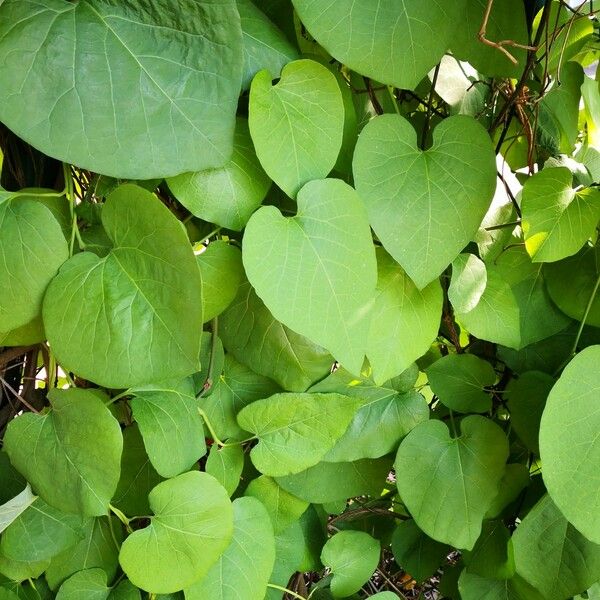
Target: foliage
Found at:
x=299, y=299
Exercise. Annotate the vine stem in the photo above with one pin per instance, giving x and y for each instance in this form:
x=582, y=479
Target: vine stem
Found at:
x=285, y=590
x=121, y=516
x=215, y=437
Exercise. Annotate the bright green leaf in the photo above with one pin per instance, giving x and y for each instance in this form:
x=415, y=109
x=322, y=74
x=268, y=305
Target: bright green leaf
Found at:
x=468, y=283
x=226, y=465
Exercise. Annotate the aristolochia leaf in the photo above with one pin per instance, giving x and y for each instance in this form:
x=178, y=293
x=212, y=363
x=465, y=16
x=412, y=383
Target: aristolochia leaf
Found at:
x=134, y=316
x=316, y=272
x=166, y=78
x=242, y=572
x=569, y=442
x=425, y=206
x=192, y=526
x=448, y=483
x=286, y=119
x=71, y=455
x=295, y=431
x=393, y=41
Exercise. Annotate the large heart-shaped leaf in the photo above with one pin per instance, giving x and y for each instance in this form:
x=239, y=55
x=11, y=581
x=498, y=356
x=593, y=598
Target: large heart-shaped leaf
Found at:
x=393, y=41
x=32, y=248
x=570, y=445
x=425, y=206
x=295, y=431
x=448, y=483
x=286, y=119
x=134, y=316
x=166, y=78
x=71, y=455
x=192, y=526
x=316, y=272
x=170, y=424
x=242, y=572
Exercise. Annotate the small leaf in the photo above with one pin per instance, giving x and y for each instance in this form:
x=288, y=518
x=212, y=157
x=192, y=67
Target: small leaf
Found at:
x=286, y=119
x=226, y=465
x=89, y=584
x=72, y=454
x=448, y=483
x=192, y=526
x=295, y=431
x=11, y=510
x=352, y=556
x=324, y=257
x=468, y=283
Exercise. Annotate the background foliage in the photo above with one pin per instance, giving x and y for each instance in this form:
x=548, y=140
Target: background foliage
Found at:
x=299, y=298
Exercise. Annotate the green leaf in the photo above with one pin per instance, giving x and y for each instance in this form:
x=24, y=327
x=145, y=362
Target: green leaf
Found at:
x=237, y=387
x=393, y=42
x=468, y=283
x=415, y=552
x=192, y=526
x=404, y=319
x=425, y=206
x=475, y=587
x=289, y=550
x=13, y=482
x=170, y=424
x=352, y=556
x=514, y=481
x=492, y=555
x=295, y=431
x=385, y=416
x=166, y=81
x=72, y=454
x=256, y=339
x=226, y=465
x=557, y=220
x=221, y=271
x=459, y=381
x=324, y=257
x=20, y=570
x=10, y=511
x=32, y=248
x=329, y=482
x=227, y=195
x=89, y=584
x=571, y=283
x=552, y=555
x=526, y=398
x=286, y=118
x=569, y=442
x=40, y=533
x=447, y=483
x=134, y=316
x=98, y=548
x=265, y=45
x=283, y=508
x=243, y=570
x=507, y=21
x=138, y=476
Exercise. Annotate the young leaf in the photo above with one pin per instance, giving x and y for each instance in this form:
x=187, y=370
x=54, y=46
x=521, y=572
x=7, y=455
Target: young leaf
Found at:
x=134, y=316
x=295, y=431
x=324, y=257
x=468, y=283
x=286, y=118
x=230, y=194
x=425, y=206
x=395, y=43
x=226, y=465
x=242, y=572
x=72, y=454
x=192, y=526
x=170, y=424
x=448, y=483
x=166, y=82
x=352, y=556
x=569, y=443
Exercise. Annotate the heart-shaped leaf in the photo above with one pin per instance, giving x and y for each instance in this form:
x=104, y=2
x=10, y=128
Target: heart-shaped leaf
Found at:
x=425, y=206
x=170, y=424
x=71, y=455
x=134, y=316
x=393, y=42
x=226, y=464
x=192, y=526
x=324, y=257
x=448, y=483
x=295, y=431
x=166, y=82
x=286, y=119
x=32, y=248
x=242, y=572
